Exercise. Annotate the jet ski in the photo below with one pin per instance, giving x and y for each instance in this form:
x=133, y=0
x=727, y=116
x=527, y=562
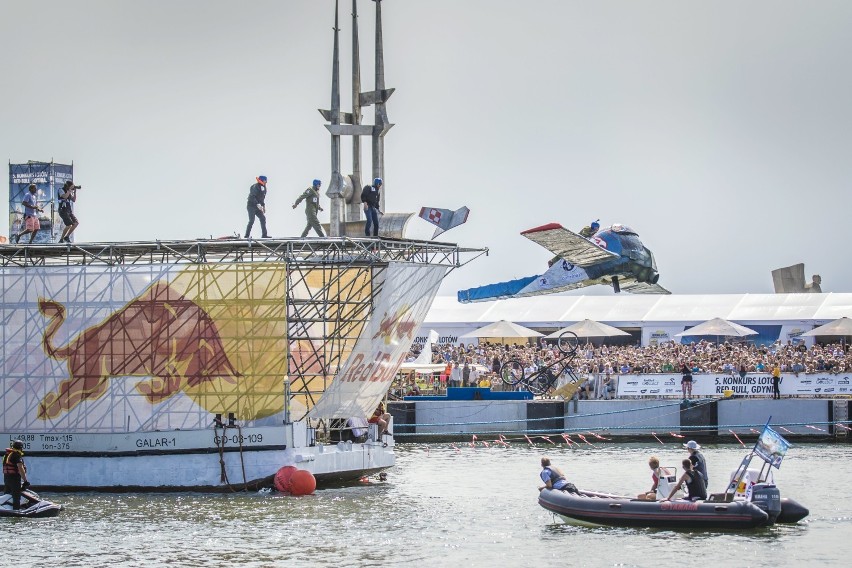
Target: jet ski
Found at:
x=32, y=506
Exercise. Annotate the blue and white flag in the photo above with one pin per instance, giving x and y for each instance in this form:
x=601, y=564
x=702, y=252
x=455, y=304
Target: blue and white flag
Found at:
x=771, y=446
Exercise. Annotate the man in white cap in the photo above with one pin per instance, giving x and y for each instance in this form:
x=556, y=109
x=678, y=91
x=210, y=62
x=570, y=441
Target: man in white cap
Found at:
x=697, y=459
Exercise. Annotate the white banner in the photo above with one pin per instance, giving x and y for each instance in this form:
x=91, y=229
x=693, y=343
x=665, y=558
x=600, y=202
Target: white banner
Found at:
x=398, y=312
x=753, y=384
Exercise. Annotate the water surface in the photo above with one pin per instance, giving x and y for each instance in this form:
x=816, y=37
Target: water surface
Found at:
x=443, y=505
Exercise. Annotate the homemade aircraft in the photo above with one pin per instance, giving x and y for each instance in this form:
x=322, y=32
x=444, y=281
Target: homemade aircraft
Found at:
x=614, y=256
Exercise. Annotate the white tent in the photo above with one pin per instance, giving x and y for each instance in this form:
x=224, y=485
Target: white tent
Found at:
x=503, y=330
x=589, y=328
x=718, y=326
x=842, y=326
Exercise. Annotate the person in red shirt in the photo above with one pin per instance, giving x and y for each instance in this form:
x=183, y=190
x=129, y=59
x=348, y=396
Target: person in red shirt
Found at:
x=381, y=418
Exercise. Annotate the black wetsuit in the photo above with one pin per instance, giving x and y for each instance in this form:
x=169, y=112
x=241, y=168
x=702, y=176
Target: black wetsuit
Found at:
x=695, y=486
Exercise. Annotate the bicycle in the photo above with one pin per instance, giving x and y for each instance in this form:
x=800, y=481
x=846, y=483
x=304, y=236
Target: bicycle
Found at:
x=544, y=378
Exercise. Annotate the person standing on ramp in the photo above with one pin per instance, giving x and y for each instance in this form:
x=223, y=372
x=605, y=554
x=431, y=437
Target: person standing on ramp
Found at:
x=311, y=196
x=256, y=206
x=370, y=197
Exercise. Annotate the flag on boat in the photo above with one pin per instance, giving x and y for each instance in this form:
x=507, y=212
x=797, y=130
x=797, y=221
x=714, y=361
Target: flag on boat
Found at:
x=771, y=446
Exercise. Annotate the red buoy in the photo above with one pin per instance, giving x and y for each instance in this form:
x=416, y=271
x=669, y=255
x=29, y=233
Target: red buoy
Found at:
x=302, y=482
x=282, y=478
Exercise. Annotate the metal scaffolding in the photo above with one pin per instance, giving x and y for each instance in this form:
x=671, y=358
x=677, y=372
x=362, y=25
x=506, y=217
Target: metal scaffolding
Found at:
x=308, y=298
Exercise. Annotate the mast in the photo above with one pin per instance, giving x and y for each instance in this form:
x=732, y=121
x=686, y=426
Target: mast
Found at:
x=335, y=186
x=382, y=125
x=353, y=210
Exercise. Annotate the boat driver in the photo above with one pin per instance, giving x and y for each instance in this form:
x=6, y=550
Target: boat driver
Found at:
x=553, y=477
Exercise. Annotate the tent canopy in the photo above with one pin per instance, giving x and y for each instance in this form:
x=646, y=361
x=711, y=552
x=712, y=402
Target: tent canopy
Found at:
x=503, y=329
x=589, y=328
x=718, y=326
x=842, y=326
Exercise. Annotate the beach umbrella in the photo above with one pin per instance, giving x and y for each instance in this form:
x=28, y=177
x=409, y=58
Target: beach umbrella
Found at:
x=503, y=330
x=588, y=328
x=842, y=326
x=718, y=327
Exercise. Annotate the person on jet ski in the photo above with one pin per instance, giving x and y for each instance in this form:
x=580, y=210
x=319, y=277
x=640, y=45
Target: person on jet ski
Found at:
x=15, y=472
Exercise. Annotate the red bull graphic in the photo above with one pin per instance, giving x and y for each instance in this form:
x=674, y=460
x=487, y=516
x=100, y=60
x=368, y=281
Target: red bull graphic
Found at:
x=396, y=327
x=399, y=310
x=162, y=334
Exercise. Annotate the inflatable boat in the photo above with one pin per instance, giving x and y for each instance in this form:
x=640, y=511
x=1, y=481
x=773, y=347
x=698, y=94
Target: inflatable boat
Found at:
x=32, y=506
x=754, y=505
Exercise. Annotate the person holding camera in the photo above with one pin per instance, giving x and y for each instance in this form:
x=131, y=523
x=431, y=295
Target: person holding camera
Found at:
x=67, y=198
x=14, y=472
x=31, y=211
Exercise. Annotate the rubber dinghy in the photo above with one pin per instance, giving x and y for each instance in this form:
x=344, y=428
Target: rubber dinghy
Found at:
x=32, y=506
x=588, y=508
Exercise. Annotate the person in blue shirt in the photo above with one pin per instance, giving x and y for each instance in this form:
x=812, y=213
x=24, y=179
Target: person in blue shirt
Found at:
x=31, y=211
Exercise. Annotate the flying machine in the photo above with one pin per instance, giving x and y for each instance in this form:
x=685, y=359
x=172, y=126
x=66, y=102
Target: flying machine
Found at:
x=613, y=256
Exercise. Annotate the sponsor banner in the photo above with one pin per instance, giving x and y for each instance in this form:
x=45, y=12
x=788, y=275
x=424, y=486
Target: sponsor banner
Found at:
x=141, y=348
x=657, y=335
x=49, y=178
x=399, y=310
x=753, y=384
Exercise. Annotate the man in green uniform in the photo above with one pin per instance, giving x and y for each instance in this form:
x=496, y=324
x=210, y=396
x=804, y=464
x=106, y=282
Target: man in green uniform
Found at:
x=311, y=198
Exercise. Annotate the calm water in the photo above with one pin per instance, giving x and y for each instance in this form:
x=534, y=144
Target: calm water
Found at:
x=443, y=506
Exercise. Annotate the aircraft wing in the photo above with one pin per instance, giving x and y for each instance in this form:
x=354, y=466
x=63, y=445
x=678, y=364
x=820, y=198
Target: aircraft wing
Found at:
x=635, y=287
x=568, y=245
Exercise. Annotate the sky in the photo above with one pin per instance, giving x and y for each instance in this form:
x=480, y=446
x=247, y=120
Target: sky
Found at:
x=721, y=132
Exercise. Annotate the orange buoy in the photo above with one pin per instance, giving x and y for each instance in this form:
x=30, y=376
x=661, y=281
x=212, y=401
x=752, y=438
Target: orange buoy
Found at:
x=282, y=478
x=302, y=482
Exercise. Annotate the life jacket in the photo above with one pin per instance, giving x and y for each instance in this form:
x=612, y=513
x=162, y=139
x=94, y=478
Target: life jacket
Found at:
x=10, y=468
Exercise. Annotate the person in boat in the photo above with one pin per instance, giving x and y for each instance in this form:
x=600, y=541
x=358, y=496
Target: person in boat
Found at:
x=656, y=472
x=697, y=459
x=553, y=477
x=695, y=487
x=15, y=473
x=381, y=418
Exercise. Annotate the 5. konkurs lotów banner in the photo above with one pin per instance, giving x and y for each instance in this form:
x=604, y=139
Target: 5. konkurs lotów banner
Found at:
x=753, y=384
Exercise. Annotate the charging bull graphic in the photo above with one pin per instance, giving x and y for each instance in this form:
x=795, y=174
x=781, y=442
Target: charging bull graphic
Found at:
x=161, y=334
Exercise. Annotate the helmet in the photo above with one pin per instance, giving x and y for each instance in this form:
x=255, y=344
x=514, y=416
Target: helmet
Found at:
x=317, y=182
x=262, y=179
x=18, y=444
x=596, y=224
x=377, y=181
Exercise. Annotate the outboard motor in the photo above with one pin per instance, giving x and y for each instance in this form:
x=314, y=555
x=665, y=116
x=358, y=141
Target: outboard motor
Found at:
x=767, y=497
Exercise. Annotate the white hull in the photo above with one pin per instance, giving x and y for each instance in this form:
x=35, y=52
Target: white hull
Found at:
x=191, y=460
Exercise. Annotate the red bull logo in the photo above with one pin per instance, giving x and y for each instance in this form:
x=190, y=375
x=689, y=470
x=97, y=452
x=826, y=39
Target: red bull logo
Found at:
x=161, y=334
x=395, y=327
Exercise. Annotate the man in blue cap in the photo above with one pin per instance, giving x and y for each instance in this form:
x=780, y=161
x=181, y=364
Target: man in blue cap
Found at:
x=371, y=198
x=256, y=206
x=312, y=206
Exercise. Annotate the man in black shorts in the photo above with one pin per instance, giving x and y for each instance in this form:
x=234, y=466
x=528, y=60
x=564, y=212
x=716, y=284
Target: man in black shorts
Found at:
x=67, y=198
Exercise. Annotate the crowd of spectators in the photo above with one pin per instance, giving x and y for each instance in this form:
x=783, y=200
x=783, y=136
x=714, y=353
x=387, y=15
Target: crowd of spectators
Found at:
x=483, y=361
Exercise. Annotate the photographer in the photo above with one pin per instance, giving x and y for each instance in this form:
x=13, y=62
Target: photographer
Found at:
x=67, y=198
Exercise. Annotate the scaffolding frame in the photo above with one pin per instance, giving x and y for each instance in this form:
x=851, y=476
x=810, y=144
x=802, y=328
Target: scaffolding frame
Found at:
x=330, y=289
